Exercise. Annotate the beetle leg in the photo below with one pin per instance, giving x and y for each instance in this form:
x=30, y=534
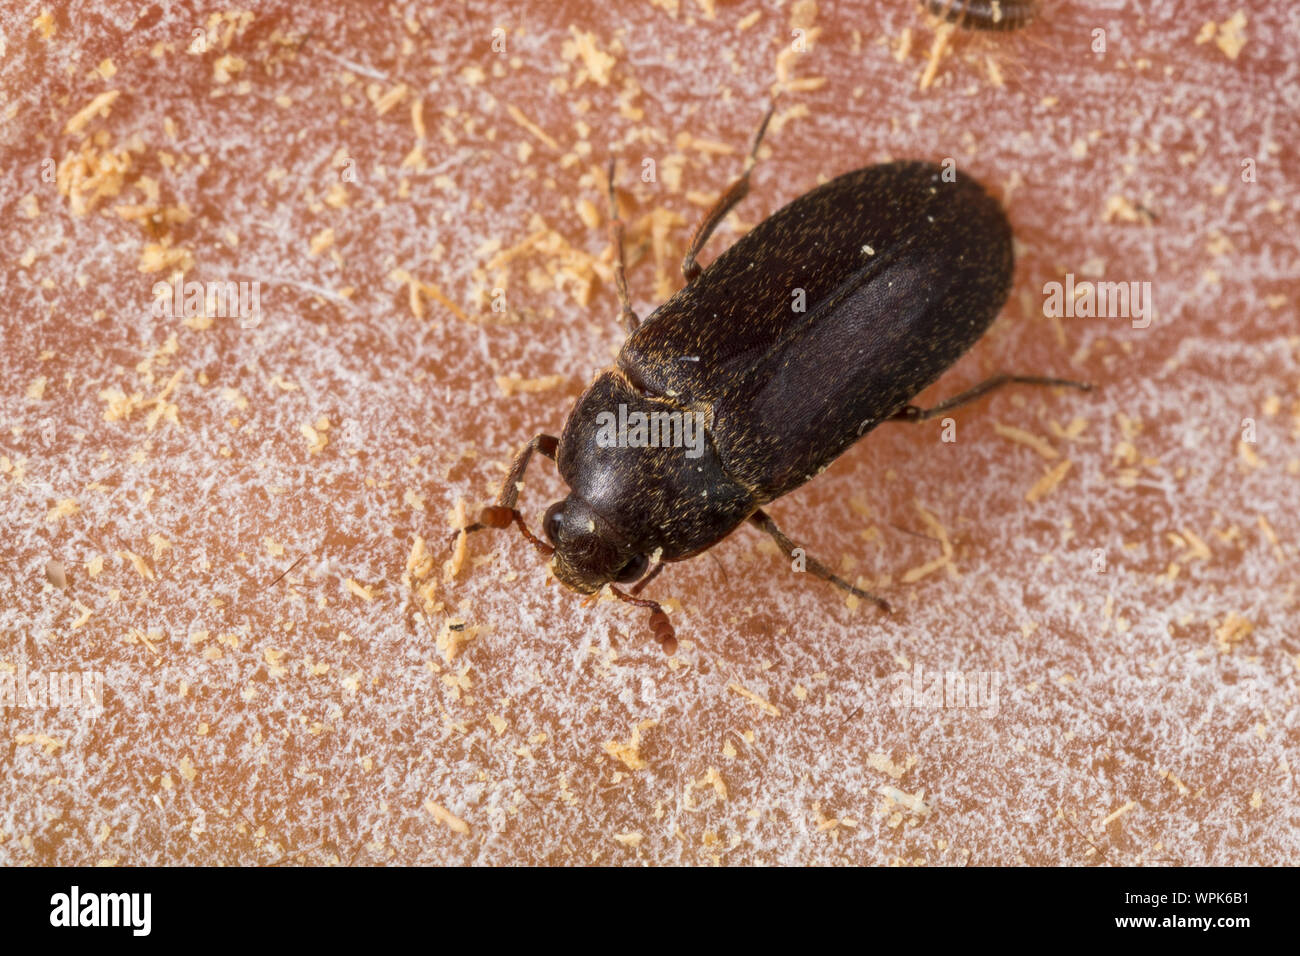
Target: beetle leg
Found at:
x=763, y=520
x=547, y=445
x=734, y=194
x=914, y=413
x=626, y=315
x=504, y=511
x=636, y=588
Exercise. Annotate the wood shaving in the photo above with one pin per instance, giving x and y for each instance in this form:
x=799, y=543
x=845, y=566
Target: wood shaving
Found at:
x=942, y=35
x=512, y=384
x=945, y=545
x=362, y=591
x=46, y=743
x=44, y=25
x=320, y=242
x=914, y=803
x=83, y=617
x=454, y=637
x=417, y=288
x=1173, y=779
x=64, y=508
x=597, y=65
x=390, y=99
x=629, y=753
x=885, y=765
x=1106, y=821
x=446, y=817
x=1269, y=533
x=754, y=698
x=453, y=565
x=1229, y=36
x=517, y=115
x=141, y=566
x=100, y=105
x=1037, y=443
x=91, y=174
x=1232, y=632
x=1044, y=486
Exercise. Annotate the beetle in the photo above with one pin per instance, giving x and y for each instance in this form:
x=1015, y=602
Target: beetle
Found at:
x=1004, y=15
x=819, y=324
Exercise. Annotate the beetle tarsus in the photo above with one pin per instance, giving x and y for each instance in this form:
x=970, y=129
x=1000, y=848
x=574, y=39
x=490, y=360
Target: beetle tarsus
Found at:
x=914, y=413
x=762, y=519
x=467, y=530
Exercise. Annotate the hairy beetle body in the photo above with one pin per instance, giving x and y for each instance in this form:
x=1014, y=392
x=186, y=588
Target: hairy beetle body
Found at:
x=822, y=322
x=1005, y=15
x=816, y=326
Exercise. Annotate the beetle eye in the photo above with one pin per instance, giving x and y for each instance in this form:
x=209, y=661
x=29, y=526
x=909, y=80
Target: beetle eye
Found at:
x=633, y=570
x=551, y=522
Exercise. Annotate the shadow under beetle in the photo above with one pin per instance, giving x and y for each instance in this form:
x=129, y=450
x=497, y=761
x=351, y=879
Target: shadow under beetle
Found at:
x=819, y=324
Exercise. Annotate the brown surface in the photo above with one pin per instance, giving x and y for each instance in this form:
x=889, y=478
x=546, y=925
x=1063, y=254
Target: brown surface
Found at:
x=1147, y=714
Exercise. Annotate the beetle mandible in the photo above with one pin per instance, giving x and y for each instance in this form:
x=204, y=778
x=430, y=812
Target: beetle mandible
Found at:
x=900, y=268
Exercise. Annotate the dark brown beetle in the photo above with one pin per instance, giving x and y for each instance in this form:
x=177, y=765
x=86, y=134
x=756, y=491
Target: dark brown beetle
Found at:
x=899, y=269
x=1003, y=15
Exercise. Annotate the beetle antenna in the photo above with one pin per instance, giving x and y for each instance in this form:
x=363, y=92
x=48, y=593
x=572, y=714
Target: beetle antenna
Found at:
x=659, y=623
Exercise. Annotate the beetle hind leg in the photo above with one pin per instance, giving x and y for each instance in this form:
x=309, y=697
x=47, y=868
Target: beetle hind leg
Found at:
x=726, y=202
x=762, y=519
x=914, y=413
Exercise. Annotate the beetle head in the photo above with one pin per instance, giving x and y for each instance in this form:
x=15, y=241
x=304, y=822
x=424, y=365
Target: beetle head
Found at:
x=588, y=552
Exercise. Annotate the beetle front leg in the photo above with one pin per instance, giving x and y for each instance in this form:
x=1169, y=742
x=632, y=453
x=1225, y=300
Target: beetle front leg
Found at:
x=734, y=194
x=509, y=494
x=763, y=520
x=504, y=511
x=914, y=413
